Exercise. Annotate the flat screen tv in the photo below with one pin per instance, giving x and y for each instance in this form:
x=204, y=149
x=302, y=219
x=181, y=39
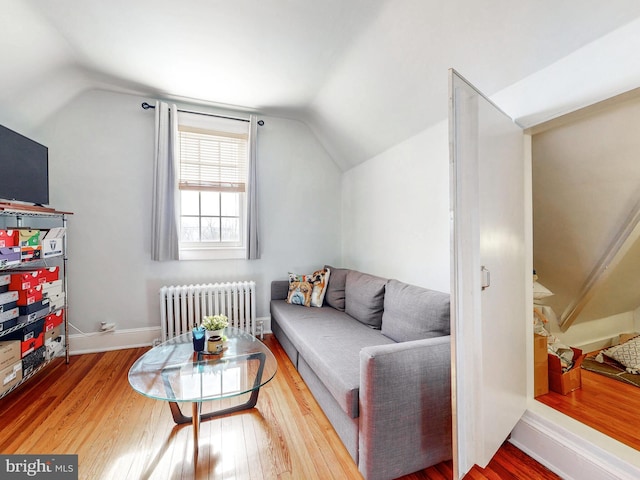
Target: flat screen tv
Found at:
x=24, y=169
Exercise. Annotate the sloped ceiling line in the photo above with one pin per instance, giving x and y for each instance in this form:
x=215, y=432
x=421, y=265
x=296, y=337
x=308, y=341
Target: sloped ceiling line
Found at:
x=624, y=240
x=365, y=74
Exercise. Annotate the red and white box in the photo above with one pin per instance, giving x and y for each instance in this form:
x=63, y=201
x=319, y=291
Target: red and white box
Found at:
x=53, y=320
x=29, y=296
x=24, y=280
x=9, y=238
x=31, y=345
x=50, y=274
x=41, y=275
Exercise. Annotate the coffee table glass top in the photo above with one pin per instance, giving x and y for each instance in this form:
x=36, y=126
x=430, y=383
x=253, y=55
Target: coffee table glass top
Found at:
x=172, y=371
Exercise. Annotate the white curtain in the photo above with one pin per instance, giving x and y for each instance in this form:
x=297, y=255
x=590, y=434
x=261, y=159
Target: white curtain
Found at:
x=253, y=250
x=164, y=231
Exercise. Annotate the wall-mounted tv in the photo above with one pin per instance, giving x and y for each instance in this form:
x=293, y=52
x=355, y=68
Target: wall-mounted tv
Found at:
x=24, y=169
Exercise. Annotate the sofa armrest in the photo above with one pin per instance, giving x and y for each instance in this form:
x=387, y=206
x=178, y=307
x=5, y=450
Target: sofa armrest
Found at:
x=405, y=407
x=279, y=289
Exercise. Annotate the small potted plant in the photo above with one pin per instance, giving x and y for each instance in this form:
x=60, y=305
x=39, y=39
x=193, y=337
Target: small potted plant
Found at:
x=215, y=325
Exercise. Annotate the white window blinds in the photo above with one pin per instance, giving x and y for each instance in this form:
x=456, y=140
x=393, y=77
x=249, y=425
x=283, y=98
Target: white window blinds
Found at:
x=213, y=153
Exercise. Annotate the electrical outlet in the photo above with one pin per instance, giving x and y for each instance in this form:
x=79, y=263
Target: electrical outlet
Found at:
x=107, y=327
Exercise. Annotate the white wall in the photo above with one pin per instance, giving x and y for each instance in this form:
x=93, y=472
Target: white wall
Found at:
x=396, y=212
x=101, y=155
x=594, y=334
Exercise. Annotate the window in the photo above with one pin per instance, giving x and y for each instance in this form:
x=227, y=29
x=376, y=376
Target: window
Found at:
x=213, y=162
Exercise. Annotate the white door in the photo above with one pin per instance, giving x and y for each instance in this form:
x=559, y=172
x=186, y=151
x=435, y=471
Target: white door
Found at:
x=489, y=268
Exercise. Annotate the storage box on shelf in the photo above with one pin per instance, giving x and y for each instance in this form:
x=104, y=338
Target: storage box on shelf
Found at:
x=8, y=238
x=52, y=288
x=53, y=333
x=9, y=353
x=10, y=377
x=8, y=319
x=52, y=243
x=24, y=280
x=33, y=320
x=32, y=361
x=10, y=256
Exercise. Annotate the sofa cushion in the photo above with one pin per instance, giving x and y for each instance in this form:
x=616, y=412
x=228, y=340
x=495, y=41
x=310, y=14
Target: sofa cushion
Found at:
x=414, y=313
x=330, y=342
x=364, y=298
x=335, y=290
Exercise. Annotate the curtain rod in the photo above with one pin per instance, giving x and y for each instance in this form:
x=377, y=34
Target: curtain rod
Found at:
x=147, y=106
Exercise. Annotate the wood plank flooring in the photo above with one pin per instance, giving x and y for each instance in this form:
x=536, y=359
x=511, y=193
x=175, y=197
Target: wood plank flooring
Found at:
x=88, y=408
x=607, y=405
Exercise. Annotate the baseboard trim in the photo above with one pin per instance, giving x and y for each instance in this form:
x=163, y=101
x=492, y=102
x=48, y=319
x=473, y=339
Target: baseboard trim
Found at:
x=116, y=340
x=572, y=456
x=129, y=338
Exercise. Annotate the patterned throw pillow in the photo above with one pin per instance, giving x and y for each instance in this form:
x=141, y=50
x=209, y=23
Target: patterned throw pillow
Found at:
x=318, y=280
x=627, y=353
x=299, y=293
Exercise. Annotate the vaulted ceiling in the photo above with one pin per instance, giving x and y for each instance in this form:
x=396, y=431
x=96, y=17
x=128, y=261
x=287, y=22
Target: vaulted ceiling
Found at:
x=363, y=74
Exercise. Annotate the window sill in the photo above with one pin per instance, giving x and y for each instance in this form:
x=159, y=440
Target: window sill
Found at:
x=230, y=253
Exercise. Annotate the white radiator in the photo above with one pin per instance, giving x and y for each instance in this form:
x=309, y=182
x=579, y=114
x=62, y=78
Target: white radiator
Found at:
x=183, y=306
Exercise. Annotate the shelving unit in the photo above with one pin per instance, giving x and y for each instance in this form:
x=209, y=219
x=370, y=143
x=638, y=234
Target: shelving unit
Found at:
x=41, y=218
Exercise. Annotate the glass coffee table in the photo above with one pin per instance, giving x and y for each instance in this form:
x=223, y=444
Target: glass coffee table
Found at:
x=172, y=371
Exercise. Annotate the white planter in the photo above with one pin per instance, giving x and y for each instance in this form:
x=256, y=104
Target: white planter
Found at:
x=214, y=333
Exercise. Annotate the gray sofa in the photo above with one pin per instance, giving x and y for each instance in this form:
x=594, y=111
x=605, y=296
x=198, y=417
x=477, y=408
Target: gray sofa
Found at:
x=376, y=357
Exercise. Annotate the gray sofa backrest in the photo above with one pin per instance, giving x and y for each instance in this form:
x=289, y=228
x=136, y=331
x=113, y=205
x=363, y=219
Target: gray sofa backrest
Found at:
x=414, y=313
x=364, y=298
x=403, y=312
x=335, y=296
x=279, y=289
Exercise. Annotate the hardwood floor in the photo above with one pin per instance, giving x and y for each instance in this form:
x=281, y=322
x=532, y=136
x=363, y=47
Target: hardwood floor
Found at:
x=88, y=408
x=607, y=405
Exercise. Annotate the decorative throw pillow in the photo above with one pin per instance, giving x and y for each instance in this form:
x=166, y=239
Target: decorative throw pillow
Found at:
x=627, y=353
x=299, y=293
x=318, y=280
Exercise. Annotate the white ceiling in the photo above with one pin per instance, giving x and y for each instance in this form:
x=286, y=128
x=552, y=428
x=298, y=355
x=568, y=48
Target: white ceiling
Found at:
x=364, y=74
